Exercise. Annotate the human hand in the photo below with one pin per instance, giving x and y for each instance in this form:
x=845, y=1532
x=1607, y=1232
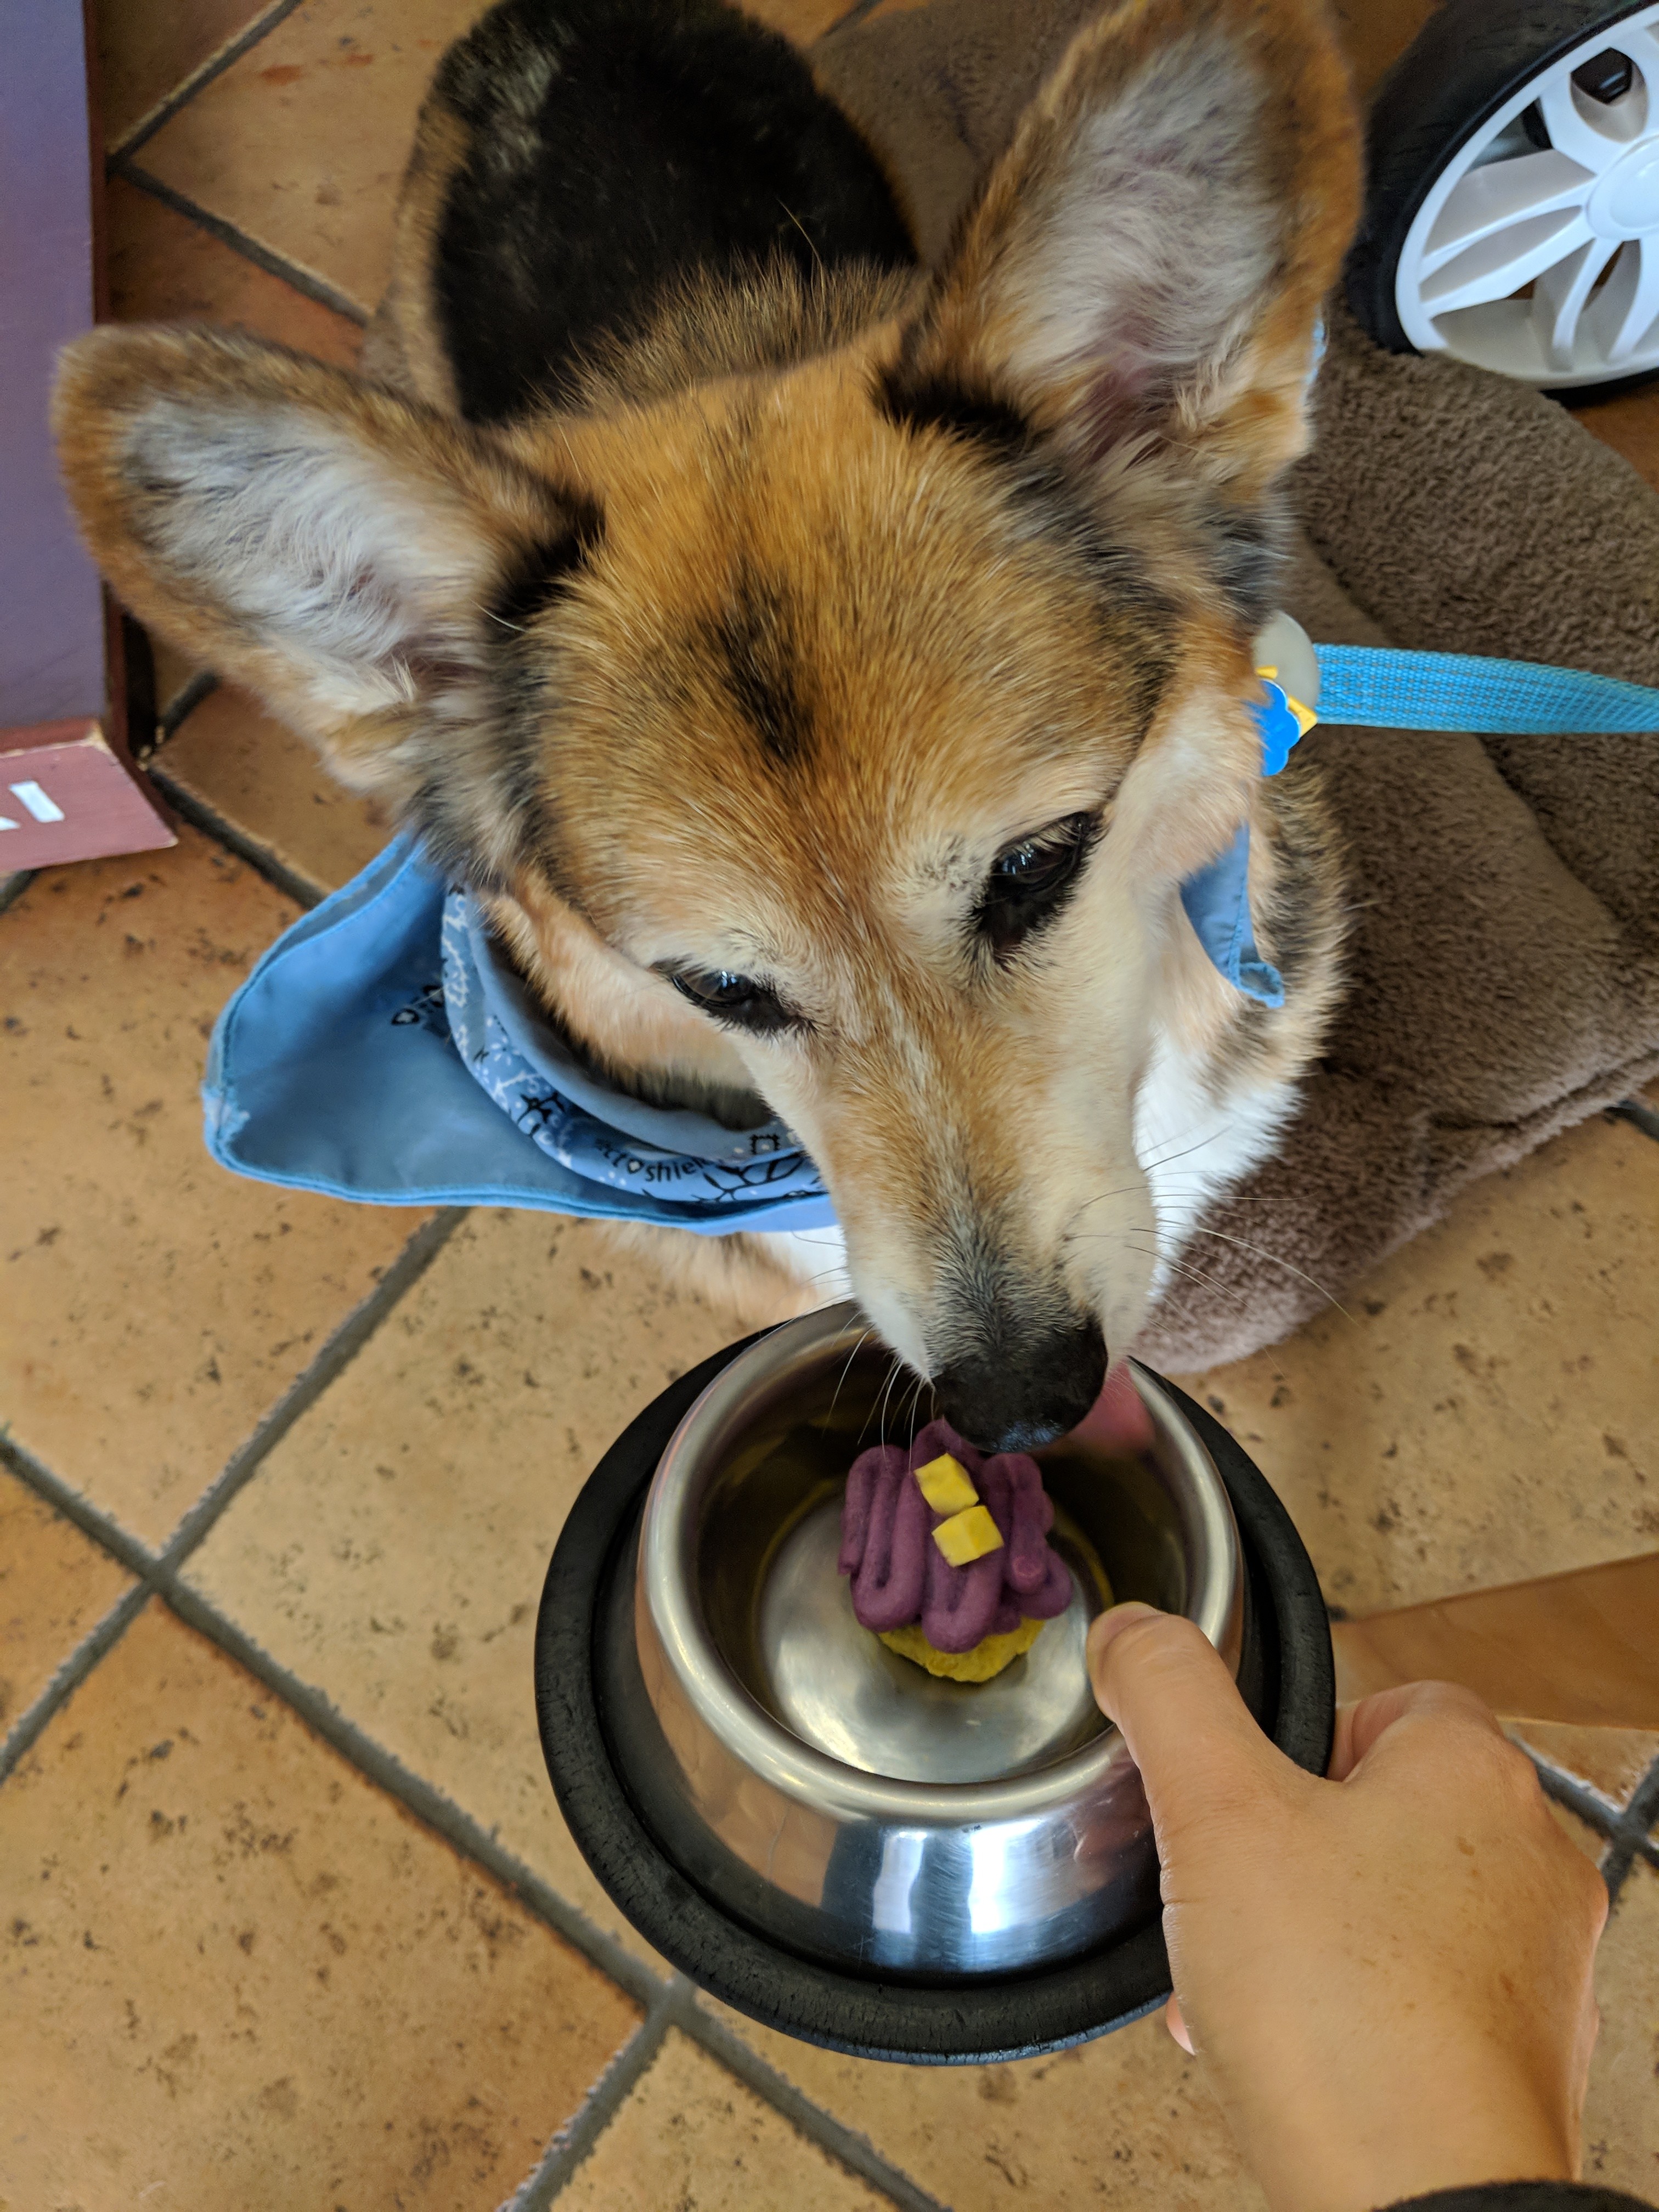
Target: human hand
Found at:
x=1388, y=1974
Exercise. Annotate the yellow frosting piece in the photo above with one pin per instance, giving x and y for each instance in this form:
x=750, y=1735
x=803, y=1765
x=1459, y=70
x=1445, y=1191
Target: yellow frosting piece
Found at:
x=988, y=1657
x=967, y=1536
x=943, y=1483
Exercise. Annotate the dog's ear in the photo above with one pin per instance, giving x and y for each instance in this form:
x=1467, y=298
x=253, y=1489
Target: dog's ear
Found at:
x=358, y=563
x=1144, y=267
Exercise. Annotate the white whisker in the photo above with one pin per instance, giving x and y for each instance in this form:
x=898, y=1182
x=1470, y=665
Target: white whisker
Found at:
x=859, y=1342
x=1245, y=1244
x=1226, y=1289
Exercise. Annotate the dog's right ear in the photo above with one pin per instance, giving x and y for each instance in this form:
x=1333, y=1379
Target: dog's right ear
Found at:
x=355, y=561
x=1139, y=280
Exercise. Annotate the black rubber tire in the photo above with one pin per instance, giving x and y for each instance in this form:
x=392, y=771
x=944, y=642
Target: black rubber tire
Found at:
x=1287, y=1678
x=1469, y=58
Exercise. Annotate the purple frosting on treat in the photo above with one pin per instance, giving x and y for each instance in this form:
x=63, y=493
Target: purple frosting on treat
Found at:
x=884, y=1528
x=958, y=1604
x=900, y=1576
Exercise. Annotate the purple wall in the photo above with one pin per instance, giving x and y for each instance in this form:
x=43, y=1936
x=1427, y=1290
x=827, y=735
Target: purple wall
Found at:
x=52, y=635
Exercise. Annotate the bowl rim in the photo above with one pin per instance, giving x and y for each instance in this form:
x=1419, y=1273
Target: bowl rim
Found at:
x=1002, y=2018
x=761, y=1744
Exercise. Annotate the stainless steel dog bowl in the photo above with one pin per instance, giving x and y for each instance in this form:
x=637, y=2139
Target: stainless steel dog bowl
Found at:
x=812, y=1828
x=818, y=1781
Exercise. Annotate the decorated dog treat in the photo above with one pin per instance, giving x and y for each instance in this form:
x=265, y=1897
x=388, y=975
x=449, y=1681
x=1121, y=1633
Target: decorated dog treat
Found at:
x=948, y=1552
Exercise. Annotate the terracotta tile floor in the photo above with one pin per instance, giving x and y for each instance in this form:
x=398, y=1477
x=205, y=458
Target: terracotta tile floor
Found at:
x=292, y=1917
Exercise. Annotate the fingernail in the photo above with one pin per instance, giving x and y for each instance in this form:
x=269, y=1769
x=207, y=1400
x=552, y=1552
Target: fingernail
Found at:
x=1112, y=1623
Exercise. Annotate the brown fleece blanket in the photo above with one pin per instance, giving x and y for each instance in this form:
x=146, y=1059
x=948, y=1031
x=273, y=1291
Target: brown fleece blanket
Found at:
x=1504, y=965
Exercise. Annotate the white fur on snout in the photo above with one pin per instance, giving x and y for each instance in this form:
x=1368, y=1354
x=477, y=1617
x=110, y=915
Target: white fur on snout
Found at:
x=1193, y=1146
x=897, y=1326
x=817, y=1257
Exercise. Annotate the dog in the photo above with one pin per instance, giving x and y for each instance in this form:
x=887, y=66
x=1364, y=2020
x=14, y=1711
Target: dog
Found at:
x=826, y=671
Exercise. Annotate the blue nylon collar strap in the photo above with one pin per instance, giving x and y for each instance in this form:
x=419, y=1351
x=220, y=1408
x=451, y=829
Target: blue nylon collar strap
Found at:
x=1371, y=687
x=381, y=1051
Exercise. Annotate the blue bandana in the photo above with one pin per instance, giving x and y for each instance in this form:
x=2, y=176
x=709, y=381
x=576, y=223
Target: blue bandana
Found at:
x=1216, y=899
x=383, y=1049
x=602, y=1135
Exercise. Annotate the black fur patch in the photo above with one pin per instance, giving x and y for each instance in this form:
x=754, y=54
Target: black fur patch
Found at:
x=544, y=569
x=940, y=402
x=506, y=785
x=434, y=810
x=754, y=635
x=918, y=401
x=615, y=147
x=1248, y=556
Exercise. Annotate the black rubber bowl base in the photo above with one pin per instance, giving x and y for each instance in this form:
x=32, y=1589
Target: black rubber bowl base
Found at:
x=961, y=2022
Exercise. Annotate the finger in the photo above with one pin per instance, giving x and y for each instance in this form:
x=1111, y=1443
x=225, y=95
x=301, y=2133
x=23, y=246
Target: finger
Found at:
x=1176, y=2021
x=1188, y=1731
x=1360, y=1728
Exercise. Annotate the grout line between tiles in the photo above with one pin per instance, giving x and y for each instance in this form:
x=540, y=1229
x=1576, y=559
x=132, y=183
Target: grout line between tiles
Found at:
x=339, y=1349
x=580, y=2134
x=204, y=74
x=136, y=1557
x=1633, y=1838
x=1643, y=1806
x=223, y=831
x=418, y=1796
x=1638, y=1113
x=240, y=241
x=1616, y=1863
x=846, y=21
x=667, y=2004
x=156, y=1571
x=158, y=1577
x=853, y=2151
x=184, y=704
x=1591, y=1808
x=22, y=1736
x=12, y=887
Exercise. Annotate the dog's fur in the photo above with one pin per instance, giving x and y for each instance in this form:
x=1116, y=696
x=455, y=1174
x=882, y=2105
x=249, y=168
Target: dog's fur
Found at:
x=719, y=595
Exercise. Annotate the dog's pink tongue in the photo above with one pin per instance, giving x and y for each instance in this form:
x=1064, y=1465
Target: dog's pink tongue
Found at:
x=1117, y=1421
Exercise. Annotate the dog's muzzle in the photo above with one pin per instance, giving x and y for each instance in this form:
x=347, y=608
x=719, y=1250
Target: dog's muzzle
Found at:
x=1019, y=1397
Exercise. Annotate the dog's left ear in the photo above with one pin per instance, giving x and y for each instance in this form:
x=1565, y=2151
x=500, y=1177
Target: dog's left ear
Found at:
x=362, y=564
x=1143, y=269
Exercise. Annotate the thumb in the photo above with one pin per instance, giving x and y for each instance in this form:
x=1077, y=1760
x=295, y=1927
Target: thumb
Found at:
x=1188, y=1731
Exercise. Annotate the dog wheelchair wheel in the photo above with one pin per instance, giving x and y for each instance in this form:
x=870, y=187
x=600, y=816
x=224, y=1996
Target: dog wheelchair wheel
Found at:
x=1513, y=216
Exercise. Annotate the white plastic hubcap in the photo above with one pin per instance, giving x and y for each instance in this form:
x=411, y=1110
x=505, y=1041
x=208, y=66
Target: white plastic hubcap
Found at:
x=1626, y=202
x=1542, y=262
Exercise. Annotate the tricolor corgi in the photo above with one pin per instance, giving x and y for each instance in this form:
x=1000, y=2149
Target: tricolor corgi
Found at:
x=827, y=671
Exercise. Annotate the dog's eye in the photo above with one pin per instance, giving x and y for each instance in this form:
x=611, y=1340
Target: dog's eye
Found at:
x=738, y=1000
x=1029, y=882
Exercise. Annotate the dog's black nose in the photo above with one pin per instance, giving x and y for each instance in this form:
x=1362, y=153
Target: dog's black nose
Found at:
x=1018, y=1397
